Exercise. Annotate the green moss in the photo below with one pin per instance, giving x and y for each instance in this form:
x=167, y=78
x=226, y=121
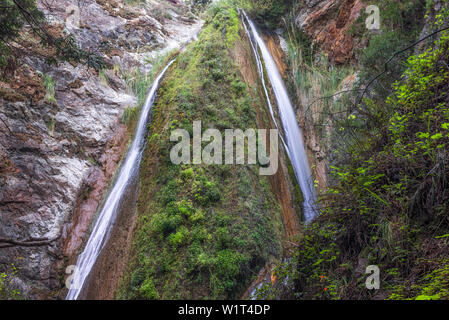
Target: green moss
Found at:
x=11, y=95
x=200, y=234
x=49, y=84
x=267, y=12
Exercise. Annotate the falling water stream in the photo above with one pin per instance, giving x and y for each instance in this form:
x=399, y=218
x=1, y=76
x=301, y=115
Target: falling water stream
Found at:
x=294, y=143
x=108, y=214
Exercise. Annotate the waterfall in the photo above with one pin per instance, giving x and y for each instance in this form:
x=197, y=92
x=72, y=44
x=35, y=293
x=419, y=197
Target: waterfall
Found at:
x=294, y=143
x=107, y=217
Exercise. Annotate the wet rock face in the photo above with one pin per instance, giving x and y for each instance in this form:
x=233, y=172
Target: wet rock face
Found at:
x=127, y=34
x=58, y=152
x=328, y=22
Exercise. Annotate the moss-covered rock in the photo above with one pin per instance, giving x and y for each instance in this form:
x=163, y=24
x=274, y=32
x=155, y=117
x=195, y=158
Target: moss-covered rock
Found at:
x=202, y=231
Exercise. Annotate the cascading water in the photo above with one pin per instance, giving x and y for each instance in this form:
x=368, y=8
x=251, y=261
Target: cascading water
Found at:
x=294, y=143
x=107, y=217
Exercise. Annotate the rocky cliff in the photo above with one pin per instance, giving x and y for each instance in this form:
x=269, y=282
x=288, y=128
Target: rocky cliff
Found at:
x=62, y=135
x=327, y=23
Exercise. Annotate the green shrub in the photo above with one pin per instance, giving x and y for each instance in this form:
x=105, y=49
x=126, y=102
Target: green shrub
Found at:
x=389, y=195
x=148, y=290
x=6, y=290
x=228, y=267
x=193, y=234
x=49, y=84
x=268, y=12
x=179, y=238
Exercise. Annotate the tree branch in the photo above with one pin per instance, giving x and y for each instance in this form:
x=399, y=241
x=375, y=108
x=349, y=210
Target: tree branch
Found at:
x=31, y=242
x=394, y=56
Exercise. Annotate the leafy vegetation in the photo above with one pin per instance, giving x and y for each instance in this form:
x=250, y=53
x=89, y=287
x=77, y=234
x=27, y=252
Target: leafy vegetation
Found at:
x=14, y=16
x=138, y=83
x=203, y=232
x=401, y=24
x=266, y=12
x=388, y=202
x=7, y=292
x=49, y=84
